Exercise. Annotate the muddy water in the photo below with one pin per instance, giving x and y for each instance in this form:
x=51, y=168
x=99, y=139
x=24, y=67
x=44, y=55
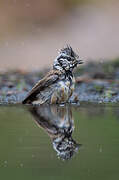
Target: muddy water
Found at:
x=59, y=142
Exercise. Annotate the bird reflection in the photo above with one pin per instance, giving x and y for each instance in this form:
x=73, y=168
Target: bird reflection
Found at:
x=57, y=121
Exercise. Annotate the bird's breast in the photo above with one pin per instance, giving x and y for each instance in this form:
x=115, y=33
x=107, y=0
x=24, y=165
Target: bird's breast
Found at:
x=65, y=89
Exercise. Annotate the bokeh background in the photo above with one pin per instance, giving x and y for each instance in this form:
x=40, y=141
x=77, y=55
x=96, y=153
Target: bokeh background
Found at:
x=32, y=31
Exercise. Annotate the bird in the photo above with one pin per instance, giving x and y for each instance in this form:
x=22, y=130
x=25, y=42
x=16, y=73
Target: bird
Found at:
x=58, y=85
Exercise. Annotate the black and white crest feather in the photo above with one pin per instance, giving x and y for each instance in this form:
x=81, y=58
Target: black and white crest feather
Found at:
x=69, y=52
x=66, y=60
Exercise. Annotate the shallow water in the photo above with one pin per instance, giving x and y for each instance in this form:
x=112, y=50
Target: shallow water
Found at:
x=59, y=142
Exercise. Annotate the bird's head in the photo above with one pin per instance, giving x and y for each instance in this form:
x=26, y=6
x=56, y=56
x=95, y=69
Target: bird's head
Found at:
x=67, y=59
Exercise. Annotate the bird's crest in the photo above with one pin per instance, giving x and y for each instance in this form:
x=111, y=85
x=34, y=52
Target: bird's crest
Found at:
x=68, y=51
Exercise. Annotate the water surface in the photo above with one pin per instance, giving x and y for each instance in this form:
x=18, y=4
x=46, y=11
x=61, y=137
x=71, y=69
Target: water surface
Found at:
x=59, y=142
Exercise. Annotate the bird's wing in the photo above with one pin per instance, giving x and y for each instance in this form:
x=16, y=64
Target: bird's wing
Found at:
x=40, y=86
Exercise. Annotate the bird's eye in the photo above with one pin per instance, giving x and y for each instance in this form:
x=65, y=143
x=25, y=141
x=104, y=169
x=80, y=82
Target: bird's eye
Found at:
x=61, y=60
x=69, y=59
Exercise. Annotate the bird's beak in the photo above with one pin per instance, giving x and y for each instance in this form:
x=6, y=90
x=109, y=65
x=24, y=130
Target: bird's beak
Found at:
x=79, y=61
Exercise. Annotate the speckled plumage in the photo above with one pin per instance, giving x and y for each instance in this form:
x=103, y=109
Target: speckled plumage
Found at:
x=58, y=85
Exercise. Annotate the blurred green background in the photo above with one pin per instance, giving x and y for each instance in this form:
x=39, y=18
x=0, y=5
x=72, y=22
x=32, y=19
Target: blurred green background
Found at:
x=32, y=31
